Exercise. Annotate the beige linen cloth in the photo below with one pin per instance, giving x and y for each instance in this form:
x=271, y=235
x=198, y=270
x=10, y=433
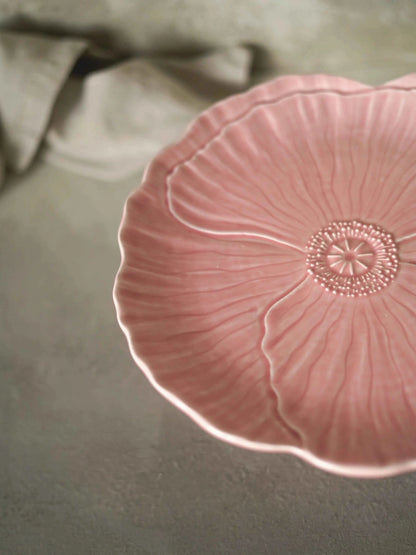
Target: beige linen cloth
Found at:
x=111, y=122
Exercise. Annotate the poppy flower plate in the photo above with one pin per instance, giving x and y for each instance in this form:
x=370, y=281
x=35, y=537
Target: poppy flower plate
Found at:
x=267, y=286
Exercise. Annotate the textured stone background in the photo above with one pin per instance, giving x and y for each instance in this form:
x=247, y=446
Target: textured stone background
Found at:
x=92, y=460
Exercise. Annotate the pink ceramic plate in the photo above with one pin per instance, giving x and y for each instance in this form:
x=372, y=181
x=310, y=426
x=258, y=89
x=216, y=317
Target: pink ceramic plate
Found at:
x=268, y=278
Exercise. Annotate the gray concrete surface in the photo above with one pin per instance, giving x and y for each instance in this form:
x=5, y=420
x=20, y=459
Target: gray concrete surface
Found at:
x=94, y=461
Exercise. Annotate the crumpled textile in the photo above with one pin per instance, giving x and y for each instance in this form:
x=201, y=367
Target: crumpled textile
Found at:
x=33, y=70
x=109, y=123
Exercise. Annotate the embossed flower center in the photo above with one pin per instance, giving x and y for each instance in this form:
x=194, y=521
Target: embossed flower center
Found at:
x=352, y=258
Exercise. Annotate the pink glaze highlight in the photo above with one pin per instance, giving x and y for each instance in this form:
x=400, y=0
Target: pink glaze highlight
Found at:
x=268, y=278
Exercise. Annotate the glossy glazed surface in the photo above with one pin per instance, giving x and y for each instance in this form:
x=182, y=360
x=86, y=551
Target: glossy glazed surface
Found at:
x=268, y=280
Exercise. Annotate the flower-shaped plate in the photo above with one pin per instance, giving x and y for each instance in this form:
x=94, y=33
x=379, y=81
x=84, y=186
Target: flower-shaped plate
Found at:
x=268, y=278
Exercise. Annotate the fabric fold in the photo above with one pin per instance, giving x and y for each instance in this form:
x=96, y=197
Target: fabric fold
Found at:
x=110, y=124
x=33, y=69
